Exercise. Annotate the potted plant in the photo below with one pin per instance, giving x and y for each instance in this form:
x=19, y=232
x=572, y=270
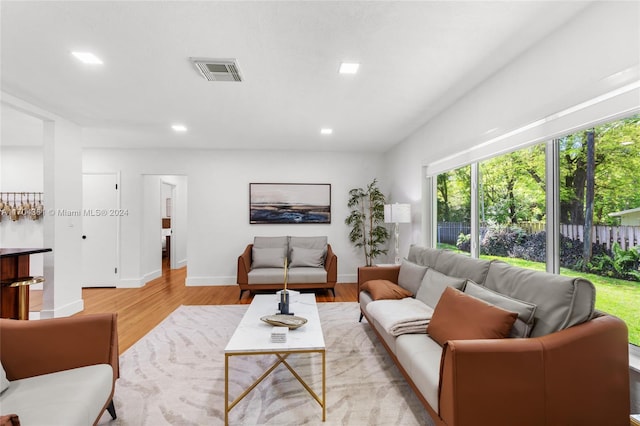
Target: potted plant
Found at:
x=366, y=220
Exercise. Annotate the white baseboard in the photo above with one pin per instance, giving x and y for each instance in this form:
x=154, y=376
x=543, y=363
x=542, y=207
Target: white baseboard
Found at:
x=213, y=281
x=348, y=278
x=152, y=275
x=63, y=311
x=130, y=283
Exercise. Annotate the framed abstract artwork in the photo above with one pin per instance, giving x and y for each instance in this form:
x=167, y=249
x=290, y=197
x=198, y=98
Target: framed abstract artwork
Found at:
x=289, y=203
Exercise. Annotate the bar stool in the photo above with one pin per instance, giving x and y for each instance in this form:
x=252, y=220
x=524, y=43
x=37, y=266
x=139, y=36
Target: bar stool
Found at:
x=23, y=284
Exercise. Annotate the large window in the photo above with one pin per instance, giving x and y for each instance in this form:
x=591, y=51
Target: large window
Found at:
x=600, y=215
x=454, y=209
x=512, y=206
x=599, y=212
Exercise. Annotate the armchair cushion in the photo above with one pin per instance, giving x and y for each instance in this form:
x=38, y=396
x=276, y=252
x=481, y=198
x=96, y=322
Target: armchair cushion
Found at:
x=267, y=276
x=319, y=243
x=267, y=257
x=270, y=242
x=312, y=258
x=70, y=397
x=459, y=316
x=306, y=275
x=4, y=383
x=383, y=289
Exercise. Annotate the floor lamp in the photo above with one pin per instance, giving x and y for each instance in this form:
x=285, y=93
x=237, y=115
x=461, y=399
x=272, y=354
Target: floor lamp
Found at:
x=397, y=214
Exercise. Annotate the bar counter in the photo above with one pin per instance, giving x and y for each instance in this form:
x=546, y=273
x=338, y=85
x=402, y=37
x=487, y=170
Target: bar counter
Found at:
x=14, y=266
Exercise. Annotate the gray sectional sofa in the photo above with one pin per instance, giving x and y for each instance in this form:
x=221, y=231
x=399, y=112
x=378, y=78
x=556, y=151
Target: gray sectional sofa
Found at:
x=311, y=264
x=568, y=366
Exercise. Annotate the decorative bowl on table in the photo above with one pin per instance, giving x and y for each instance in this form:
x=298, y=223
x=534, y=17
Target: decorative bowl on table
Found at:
x=280, y=320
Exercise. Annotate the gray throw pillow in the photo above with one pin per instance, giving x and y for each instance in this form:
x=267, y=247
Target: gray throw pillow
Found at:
x=303, y=257
x=309, y=242
x=271, y=242
x=525, y=310
x=4, y=383
x=410, y=276
x=267, y=257
x=434, y=283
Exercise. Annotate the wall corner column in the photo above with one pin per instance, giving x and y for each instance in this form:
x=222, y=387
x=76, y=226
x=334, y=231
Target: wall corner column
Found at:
x=62, y=152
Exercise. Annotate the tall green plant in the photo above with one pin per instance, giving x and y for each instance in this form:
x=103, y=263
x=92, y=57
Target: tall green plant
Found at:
x=366, y=221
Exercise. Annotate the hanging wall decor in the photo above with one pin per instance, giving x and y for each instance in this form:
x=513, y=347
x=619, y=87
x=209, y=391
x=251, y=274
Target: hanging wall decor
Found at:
x=18, y=205
x=289, y=203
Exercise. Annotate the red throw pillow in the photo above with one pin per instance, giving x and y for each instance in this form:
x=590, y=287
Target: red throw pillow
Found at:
x=458, y=316
x=384, y=289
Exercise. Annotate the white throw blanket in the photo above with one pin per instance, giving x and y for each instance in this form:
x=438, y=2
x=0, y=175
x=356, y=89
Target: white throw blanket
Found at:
x=401, y=316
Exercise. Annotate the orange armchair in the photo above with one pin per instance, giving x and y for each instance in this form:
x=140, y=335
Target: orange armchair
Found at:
x=34, y=348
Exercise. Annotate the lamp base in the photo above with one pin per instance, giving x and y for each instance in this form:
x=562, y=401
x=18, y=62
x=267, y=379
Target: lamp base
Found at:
x=283, y=306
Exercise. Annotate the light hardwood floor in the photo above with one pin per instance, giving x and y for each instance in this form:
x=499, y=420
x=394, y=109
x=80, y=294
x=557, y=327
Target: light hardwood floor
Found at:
x=141, y=309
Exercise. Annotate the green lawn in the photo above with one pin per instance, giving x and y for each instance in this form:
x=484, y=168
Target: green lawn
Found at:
x=617, y=297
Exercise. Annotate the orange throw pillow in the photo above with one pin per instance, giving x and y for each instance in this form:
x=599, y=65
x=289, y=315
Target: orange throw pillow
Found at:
x=458, y=316
x=9, y=420
x=384, y=289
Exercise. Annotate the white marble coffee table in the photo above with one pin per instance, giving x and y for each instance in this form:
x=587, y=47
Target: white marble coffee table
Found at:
x=253, y=337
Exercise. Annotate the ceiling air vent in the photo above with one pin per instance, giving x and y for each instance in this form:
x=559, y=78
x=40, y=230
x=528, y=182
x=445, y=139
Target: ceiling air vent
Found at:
x=218, y=69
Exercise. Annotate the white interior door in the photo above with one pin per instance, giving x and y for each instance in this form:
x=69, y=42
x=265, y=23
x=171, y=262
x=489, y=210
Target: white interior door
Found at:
x=174, y=241
x=100, y=230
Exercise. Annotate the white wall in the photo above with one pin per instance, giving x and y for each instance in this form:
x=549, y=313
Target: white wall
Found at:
x=151, y=255
x=165, y=193
x=21, y=169
x=62, y=191
x=41, y=152
x=596, y=53
x=217, y=205
x=61, y=170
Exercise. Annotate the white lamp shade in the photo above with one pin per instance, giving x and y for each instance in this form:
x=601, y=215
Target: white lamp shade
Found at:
x=397, y=213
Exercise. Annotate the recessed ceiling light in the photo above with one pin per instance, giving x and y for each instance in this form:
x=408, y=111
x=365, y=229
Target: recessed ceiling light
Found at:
x=179, y=127
x=326, y=131
x=87, y=58
x=349, y=68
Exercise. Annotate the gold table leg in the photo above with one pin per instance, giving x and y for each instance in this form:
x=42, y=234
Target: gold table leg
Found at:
x=23, y=302
x=226, y=389
x=324, y=387
x=282, y=359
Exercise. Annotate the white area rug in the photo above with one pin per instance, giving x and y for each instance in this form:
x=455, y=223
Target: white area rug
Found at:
x=175, y=376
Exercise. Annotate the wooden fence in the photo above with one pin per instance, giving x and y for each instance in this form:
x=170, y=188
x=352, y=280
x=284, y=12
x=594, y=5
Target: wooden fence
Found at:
x=626, y=236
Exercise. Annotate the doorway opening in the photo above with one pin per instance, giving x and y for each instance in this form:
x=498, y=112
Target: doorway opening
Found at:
x=166, y=200
x=163, y=225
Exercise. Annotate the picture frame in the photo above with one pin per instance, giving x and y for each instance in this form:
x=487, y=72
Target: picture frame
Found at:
x=291, y=203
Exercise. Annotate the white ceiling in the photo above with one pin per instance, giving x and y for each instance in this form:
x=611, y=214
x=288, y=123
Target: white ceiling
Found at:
x=416, y=59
